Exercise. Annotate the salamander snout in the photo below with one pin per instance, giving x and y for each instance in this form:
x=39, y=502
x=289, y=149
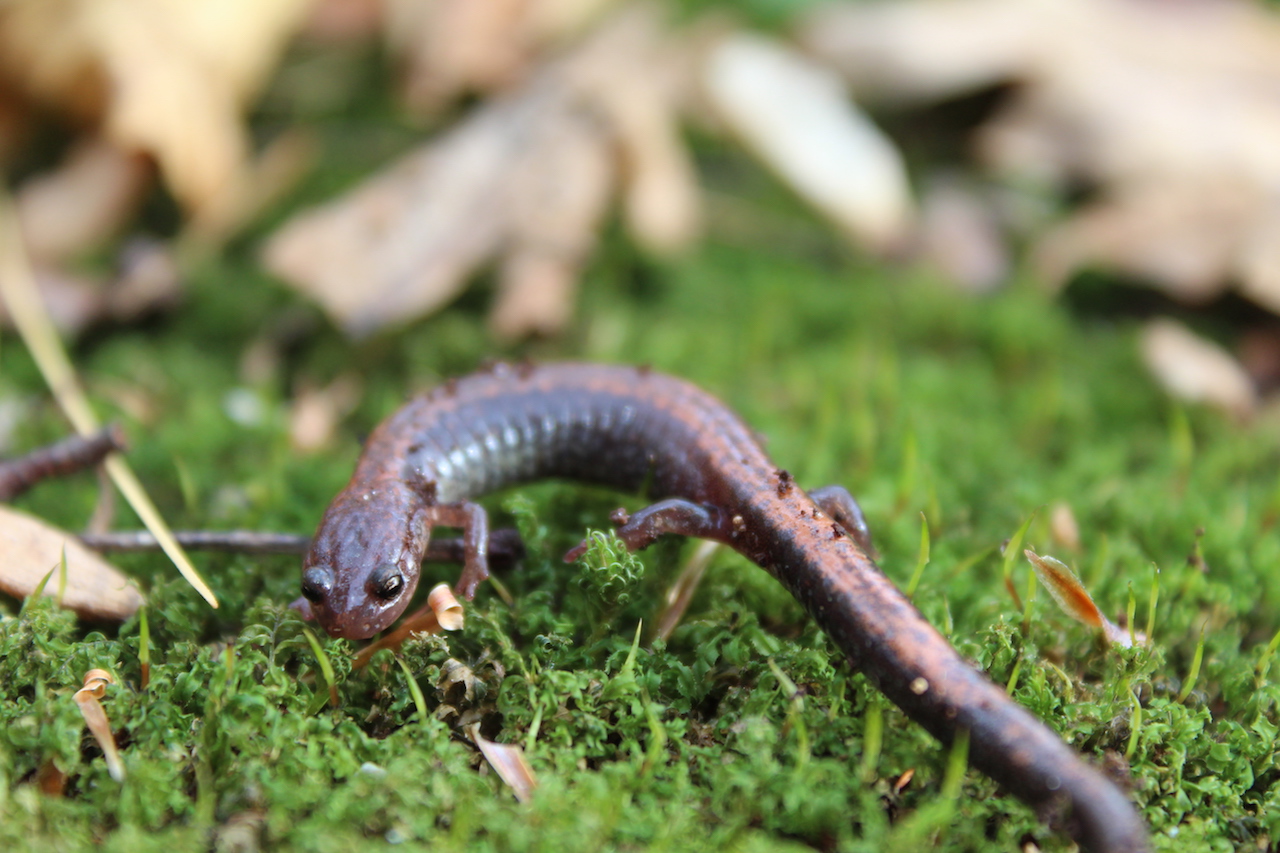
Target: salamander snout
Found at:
x=317, y=584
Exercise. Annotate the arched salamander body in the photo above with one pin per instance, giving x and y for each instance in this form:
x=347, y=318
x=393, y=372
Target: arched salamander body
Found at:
x=633, y=428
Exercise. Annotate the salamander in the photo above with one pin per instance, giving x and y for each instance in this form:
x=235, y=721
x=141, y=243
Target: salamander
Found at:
x=632, y=429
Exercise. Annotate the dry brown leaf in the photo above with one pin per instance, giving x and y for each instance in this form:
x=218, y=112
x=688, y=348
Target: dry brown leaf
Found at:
x=31, y=548
x=167, y=77
x=315, y=413
x=796, y=115
x=1197, y=370
x=526, y=177
x=960, y=236
x=87, y=698
x=452, y=47
x=508, y=762
x=1064, y=527
x=1074, y=599
x=1168, y=110
x=445, y=605
x=148, y=280
x=74, y=208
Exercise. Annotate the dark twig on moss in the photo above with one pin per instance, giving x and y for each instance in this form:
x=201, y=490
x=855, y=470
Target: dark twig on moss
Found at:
x=58, y=459
x=505, y=546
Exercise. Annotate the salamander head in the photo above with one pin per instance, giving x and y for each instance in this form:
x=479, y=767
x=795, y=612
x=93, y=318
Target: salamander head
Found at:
x=365, y=559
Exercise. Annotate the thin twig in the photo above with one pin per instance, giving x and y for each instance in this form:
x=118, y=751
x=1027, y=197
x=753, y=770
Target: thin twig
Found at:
x=67, y=456
x=505, y=546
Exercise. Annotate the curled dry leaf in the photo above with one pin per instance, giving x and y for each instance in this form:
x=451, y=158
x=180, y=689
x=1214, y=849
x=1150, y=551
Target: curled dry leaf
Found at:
x=525, y=178
x=1168, y=111
x=445, y=605
x=1196, y=370
x=87, y=698
x=167, y=78
x=94, y=588
x=1074, y=599
x=797, y=116
x=508, y=762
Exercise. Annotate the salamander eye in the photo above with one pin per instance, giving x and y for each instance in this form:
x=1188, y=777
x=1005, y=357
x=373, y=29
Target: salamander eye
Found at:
x=317, y=583
x=386, y=581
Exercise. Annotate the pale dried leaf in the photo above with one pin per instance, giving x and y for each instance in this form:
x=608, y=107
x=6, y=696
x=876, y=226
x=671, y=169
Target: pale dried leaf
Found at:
x=960, y=236
x=680, y=593
x=1073, y=598
x=457, y=684
x=445, y=605
x=509, y=763
x=1064, y=527
x=904, y=51
x=168, y=77
x=452, y=47
x=314, y=413
x=1196, y=370
x=1167, y=111
x=640, y=98
x=87, y=199
x=403, y=243
x=526, y=178
x=94, y=689
x=797, y=116
x=31, y=549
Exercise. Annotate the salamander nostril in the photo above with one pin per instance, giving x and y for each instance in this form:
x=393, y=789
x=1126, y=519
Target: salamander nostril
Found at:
x=317, y=583
x=386, y=581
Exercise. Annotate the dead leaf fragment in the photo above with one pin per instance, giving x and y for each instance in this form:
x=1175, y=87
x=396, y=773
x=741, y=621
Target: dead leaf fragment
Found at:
x=445, y=605
x=1064, y=527
x=1196, y=370
x=94, y=588
x=1166, y=112
x=960, y=236
x=453, y=47
x=75, y=207
x=315, y=413
x=526, y=177
x=797, y=116
x=166, y=77
x=95, y=687
x=1073, y=598
x=508, y=762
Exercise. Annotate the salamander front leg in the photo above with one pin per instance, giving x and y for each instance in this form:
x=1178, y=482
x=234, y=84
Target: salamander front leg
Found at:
x=836, y=502
x=474, y=523
x=681, y=517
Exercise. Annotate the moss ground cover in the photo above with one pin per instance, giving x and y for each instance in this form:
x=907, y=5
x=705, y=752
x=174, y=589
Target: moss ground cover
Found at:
x=742, y=731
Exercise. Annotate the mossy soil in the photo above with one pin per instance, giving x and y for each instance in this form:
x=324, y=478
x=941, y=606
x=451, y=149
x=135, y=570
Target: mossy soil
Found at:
x=744, y=730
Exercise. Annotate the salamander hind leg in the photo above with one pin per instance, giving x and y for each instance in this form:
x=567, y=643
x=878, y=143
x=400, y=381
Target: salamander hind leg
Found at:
x=681, y=517
x=474, y=523
x=836, y=502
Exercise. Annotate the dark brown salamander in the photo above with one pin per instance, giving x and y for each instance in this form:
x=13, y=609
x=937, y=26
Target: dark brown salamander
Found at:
x=626, y=427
